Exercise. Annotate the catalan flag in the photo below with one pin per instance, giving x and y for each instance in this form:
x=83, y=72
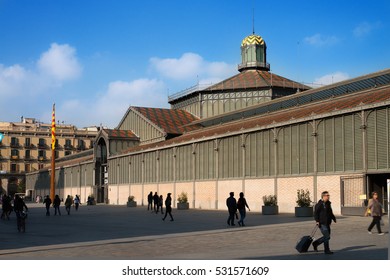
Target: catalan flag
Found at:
x=53, y=128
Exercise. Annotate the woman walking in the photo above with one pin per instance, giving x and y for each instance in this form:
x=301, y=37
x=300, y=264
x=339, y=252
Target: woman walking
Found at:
x=241, y=206
x=76, y=202
x=168, y=208
x=375, y=208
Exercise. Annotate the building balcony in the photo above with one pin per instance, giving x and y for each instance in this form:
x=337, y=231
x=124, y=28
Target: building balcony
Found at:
x=14, y=157
x=80, y=148
x=254, y=65
x=15, y=145
x=28, y=146
x=29, y=158
x=41, y=158
x=43, y=146
x=68, y=147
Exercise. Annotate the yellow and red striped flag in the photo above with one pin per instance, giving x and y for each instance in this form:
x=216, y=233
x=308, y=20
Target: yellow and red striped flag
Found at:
x=53, y=128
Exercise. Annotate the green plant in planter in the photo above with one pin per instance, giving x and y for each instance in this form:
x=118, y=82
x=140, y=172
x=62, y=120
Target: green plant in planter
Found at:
x=303, y=198
x=182, y=198
x=130, y=198
x=270, y=200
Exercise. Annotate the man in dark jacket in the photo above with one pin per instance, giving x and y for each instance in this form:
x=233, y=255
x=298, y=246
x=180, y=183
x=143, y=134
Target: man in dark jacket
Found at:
x=47, y=203
x=323, y=215
x=19, y=206
x=231, y=204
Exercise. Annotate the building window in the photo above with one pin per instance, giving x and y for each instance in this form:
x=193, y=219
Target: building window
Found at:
x=14, y=168
x=14, y=142
x=14, y=154
x=41, y=155
x=68, y=144
x=80, y=145
x=56, y=154
x=67, y=153
x=41, y=143
x=27, y=167
x=27, y=154
x=27, y=142
x=91, y=144
x=40, y=166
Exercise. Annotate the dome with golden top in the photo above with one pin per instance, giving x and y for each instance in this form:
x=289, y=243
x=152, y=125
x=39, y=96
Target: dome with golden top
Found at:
x=252, y=40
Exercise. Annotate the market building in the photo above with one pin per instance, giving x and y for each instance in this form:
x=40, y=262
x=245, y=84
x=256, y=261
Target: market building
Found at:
x=255, y=132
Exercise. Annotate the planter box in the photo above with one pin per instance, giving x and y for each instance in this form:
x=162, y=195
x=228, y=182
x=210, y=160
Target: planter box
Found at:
x=132, y=204
x=304, y=211
x=183, y=206
x=270, y=210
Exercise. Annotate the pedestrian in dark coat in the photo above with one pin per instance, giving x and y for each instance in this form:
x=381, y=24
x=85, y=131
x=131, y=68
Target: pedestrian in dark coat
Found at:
x=68, y=204
x=160, y=204
x=6, y=207
x=323, y=215
x=150, y=200
x=376, y=212
x=47, y=202
x=231, y=204
x=168, y=207
x=56, y=204
x=155, y=202
x=19, y=206
x=241, y=206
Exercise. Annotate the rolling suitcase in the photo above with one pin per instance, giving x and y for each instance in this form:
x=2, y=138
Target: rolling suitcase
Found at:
x=304, y=243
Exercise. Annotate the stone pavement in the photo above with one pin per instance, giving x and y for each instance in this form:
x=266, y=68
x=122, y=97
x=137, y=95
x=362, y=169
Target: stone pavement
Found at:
x=118, y=232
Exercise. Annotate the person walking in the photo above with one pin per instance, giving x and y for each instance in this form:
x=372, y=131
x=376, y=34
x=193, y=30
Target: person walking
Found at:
x=160, y=204
x=241, y=206
x=155, y=202
x=150, y=201
x=56, y=204
x=231, y=204
x=68, y=204
x=47, y=201
x=376, y=210
x=6, y=207
x=168, y=207
x=76, y=202
x=19, y=206
x=323, y=214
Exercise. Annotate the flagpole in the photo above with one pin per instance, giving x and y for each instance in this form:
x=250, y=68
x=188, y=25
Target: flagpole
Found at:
x=53, y=154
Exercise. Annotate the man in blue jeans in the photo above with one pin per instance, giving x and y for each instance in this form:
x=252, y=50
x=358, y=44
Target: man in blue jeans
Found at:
x=323, y=215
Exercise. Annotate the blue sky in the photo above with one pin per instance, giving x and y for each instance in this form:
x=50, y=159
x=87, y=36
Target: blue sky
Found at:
x=96, y=58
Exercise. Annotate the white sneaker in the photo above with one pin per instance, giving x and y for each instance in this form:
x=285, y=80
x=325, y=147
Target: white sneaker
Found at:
x=369, y=232
x=381, y=233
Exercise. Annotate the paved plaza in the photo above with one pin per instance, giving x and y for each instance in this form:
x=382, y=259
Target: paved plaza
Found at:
x=119, y=232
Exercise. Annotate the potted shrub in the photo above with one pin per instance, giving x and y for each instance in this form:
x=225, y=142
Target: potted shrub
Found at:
x=91, y=200
x=182, y=202
x=270, y=206
x=131, y=202
x=304, y=208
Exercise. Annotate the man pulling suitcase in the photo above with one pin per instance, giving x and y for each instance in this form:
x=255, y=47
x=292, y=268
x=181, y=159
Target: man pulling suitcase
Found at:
x=323, y=215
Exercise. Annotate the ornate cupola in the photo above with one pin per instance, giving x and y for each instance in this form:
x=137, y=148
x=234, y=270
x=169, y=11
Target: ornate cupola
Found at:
x=253, y=54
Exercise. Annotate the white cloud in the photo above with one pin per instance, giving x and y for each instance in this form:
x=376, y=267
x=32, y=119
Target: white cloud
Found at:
x=320, y=40
x=365, y=28
x=191, y=66
x=56, y=65
x=110, y=106
x=60, y=62
x=331, y=78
